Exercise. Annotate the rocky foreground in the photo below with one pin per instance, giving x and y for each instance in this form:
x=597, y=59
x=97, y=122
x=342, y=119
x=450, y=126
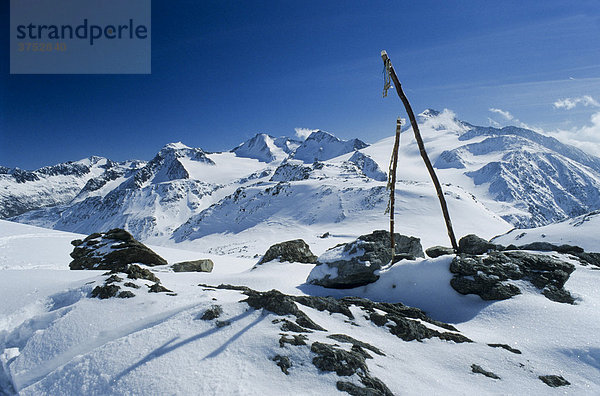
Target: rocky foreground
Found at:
x=309, y=330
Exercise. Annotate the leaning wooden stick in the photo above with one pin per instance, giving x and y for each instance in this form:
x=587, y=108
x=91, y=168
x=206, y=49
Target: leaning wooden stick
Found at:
x=392, y=183
x=390, y=69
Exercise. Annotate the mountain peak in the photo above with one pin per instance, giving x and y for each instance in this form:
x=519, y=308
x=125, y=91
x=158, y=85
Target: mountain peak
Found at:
x=429, y=113
x=175, y=146
x=266, y=148
x=321, y=146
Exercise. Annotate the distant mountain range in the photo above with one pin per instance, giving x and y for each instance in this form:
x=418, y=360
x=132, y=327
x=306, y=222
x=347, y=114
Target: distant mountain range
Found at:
x=499, y=177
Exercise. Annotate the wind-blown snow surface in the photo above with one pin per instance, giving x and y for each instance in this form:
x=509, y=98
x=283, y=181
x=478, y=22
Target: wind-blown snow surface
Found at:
x=54, y=339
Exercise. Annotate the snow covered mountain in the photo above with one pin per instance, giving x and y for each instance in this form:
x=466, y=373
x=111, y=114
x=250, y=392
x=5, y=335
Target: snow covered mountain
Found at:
x=267, y=148
x=321, y=146
x=494, y=179
x=22, y=191
x=545, y=178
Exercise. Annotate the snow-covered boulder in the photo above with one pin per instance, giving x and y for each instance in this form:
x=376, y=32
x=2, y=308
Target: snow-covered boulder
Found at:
x=296, y=251
x=112, y=250
x=354, y=264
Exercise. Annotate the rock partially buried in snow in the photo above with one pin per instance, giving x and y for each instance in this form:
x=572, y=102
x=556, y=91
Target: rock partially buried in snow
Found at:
x=489, y=276
x=112, y=250
x=354, y=264
x=295, y=251
x=437, y=251
x=472, y=244
x=202, y=265
x=554, y=381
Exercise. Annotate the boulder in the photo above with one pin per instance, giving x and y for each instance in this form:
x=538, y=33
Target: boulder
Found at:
x=202, y=265
x=489, y=276
x=295, y=251
x=354, y=264
x=113, y=250
x=437, y=251
x=472, y=244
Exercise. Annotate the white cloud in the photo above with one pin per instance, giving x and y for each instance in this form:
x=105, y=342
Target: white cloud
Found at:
x=494, y=123
x=303, y=133
x=503, y=113
x=570, y=103
x=513, y=120
x=587, y=138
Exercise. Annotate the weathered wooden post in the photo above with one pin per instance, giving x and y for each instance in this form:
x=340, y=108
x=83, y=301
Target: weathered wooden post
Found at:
x=391, y=185
x=438, y=188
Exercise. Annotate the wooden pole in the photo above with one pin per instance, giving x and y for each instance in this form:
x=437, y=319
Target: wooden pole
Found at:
x=392, y=183
x=438, y=188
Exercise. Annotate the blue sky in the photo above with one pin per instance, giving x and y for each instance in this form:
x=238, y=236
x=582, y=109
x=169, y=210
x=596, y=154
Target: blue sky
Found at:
x=223, y=71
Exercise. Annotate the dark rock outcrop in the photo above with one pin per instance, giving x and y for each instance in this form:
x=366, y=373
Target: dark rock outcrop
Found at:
x=280, y=304
x=489, y=276
x=295, y=251
x=283, y=362
x=112, y=250
x=477, y=369
x=158, y=288
x=202, y=265
x=554, y=381
x=294, y=339
x=105, y=291
x=402, y=321
x=136, y=272
x=212, y=313
x=507, y=347
x=355, y=342
x=347, y=363
x=354, y=264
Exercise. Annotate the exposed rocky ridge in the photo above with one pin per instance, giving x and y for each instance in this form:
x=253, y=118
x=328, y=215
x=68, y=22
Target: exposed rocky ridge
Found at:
x=112, y=250
x=354, y=264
